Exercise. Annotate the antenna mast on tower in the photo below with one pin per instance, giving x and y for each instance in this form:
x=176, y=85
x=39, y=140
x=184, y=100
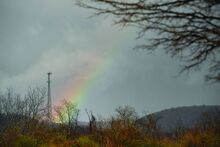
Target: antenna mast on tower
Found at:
x=49, y=104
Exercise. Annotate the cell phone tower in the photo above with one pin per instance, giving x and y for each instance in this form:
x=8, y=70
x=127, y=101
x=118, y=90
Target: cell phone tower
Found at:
x=49, y=102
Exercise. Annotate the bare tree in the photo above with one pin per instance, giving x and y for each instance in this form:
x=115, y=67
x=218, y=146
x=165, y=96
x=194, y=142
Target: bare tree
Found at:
x=34, y=102
x=123, y=126
x=60, y=114
x=92, y=121
x=24, y=113
x=1, y=103
x=186, y=29
x=150, y=125
x=9, y=102
x=67, y=114
x=127, y=115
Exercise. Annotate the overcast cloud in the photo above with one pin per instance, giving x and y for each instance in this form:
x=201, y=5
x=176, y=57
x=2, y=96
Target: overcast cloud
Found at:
x=37, y=36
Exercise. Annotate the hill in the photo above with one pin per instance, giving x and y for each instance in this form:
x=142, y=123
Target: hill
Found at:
x=186, y=117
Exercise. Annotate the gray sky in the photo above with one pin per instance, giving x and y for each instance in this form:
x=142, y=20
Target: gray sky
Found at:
x=93, y=56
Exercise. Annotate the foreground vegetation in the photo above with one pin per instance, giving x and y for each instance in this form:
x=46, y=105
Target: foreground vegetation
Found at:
x=24, y=123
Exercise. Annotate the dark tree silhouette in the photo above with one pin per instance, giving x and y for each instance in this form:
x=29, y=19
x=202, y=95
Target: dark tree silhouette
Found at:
x=23, y=112
x=186, y=29
x=92, y=121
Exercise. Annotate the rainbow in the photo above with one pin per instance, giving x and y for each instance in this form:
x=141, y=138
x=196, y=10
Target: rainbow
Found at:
x=79, y=88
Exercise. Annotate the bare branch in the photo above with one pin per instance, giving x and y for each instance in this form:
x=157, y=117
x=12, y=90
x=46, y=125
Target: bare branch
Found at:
x=186, y=29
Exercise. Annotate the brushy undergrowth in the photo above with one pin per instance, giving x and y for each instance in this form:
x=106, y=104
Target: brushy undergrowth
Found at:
x=108, y=138
x=85, y=141
x=26, y=141
x=119, y=131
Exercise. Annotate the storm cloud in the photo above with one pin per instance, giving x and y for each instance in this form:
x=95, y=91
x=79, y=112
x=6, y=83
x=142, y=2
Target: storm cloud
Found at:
x=37, y=36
